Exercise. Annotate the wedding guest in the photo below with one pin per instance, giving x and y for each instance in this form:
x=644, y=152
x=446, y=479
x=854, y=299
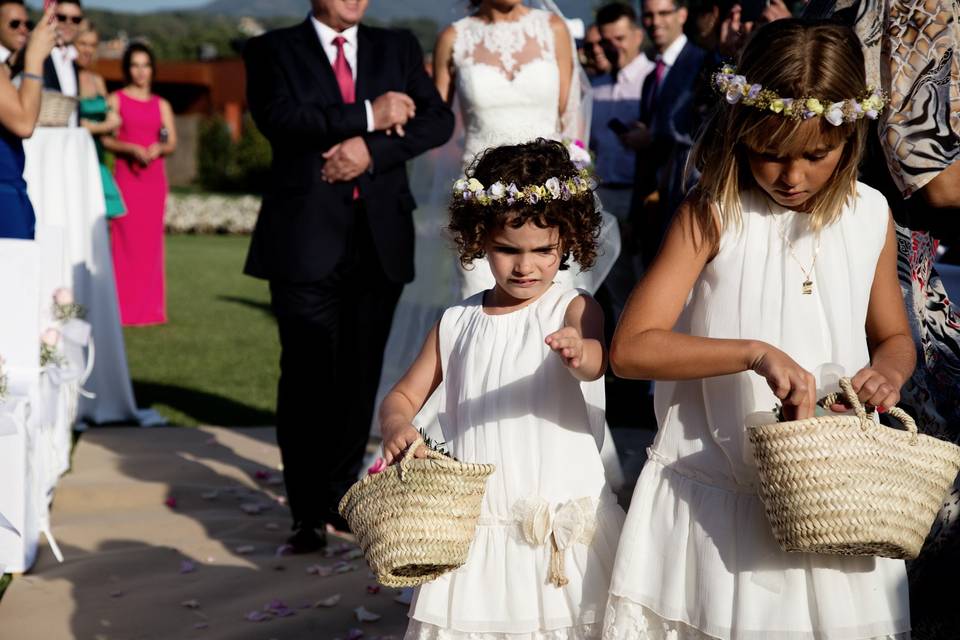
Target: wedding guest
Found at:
x=95, y=114
x=146, y=135
x=19, y=110
x=60, y=71
x=616, y=106
x=595, y=60
x=669, y=118
x=15, y=26
x=335, y=233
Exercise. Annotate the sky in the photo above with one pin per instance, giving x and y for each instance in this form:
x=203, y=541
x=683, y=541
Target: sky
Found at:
x=138, y=5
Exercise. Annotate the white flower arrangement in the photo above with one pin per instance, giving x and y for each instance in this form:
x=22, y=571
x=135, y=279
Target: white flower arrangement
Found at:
x=64, y=306
x=3, y=379
x=211, y=213
x=468, y=189
x=49, y=348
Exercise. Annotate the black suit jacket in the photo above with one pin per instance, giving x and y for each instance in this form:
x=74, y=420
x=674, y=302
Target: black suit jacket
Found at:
x=295, y=100
x=673, y=122
x=50, y=78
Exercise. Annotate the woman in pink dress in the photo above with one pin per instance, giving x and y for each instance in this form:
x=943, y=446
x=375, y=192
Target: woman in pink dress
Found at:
x=145, y=137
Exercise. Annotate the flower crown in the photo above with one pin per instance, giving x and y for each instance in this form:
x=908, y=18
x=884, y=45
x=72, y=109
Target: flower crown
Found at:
x=471, y=189
x=737, y=89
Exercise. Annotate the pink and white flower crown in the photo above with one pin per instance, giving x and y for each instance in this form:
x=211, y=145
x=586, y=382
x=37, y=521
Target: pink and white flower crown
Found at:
x=736, y=89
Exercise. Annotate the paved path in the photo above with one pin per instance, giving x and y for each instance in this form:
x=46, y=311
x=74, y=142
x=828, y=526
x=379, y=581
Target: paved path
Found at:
x=159, y=545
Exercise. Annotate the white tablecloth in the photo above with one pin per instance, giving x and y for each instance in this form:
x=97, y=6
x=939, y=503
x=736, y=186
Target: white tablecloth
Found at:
x=63, y=181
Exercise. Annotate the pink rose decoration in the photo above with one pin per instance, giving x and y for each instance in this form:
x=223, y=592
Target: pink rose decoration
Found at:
x=63, y=296
x=579, y=143
x=50, y=337
x=378, y=466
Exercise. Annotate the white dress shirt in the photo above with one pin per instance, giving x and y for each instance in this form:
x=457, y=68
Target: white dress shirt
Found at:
x=327, y=35
x=670, y=56
x=63, y=58
x=617, y=98
x=5, y=53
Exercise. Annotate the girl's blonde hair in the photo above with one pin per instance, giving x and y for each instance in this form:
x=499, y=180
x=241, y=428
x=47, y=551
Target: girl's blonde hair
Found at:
x=798, y=59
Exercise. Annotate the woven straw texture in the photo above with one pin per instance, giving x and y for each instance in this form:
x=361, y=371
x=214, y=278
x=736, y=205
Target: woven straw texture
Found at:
x=844, y=484
x=416, y=520
x=56, y=109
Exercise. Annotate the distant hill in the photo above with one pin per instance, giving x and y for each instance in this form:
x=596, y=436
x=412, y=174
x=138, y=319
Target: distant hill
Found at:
x=441, y=11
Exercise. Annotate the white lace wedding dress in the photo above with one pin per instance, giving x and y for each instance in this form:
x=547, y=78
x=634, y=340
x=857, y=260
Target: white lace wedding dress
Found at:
x=508, y=90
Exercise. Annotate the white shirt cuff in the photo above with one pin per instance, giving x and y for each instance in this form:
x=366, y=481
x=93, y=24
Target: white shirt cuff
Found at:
x=371, y=125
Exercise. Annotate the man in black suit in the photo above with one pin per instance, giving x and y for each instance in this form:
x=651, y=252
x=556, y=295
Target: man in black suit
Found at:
x=60, y=70
x=344, y=107
x=670, y=115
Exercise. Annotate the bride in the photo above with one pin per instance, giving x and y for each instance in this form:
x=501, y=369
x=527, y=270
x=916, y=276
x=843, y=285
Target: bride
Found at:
x=514, y=72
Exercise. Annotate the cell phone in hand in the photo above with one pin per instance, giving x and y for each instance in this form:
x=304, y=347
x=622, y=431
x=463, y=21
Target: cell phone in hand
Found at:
x=751, y=10
x=617, y=126
x=46, y=5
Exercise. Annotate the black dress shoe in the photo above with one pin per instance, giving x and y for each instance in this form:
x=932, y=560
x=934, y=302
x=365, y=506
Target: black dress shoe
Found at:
x=337, y=522
x=307, y=540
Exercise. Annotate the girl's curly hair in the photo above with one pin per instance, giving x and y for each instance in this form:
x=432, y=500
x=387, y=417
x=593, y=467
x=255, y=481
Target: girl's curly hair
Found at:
x=533, y=163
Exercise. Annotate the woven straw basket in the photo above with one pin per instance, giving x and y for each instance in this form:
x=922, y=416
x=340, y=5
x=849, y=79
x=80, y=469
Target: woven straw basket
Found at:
x=56, y=109
x=844, y=484
x=416, y=520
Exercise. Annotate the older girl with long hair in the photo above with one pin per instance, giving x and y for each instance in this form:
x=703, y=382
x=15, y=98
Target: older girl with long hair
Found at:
x=779, y=263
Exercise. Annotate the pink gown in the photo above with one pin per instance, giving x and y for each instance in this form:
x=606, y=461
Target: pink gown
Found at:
x=136, y=239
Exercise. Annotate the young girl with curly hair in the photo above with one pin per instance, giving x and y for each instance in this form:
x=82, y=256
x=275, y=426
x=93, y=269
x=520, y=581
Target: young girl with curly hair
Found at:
x=522, y=369
x=779, y=263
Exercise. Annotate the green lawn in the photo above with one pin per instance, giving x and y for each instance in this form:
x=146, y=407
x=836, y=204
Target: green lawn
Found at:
x=216, y=361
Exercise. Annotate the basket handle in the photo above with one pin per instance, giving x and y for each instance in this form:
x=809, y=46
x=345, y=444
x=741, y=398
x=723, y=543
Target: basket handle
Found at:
x=850, y=398
x=411, y=450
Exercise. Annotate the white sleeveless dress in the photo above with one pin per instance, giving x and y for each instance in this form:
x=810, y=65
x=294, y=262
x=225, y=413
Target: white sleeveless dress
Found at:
x=508, y=400
x=508, y=88
x=697, y=558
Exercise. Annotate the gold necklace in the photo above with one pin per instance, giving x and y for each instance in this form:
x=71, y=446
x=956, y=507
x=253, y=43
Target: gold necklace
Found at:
x=807, y=288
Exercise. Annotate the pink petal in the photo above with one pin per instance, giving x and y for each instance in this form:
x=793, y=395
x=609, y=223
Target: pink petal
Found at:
x=373, y=589
x=257, y=616
x=171, y=502
x=378, y=465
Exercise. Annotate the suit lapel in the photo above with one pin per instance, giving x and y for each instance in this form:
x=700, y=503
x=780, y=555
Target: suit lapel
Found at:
x=365, y=62
x=50, y=79
x=316, y=58
x=674, y=82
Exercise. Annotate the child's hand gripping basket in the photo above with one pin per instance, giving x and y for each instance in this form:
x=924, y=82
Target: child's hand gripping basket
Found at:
x=416, y=519
x=844, y=484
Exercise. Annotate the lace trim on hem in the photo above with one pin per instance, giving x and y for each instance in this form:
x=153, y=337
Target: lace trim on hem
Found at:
x=417, y=630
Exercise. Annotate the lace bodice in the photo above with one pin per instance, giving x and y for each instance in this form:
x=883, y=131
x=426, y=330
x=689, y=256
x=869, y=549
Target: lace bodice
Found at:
x=507, y=80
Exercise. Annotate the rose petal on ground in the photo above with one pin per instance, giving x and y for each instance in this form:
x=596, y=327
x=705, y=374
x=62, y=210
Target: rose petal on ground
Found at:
x=261, y=475
x=193, y=603
x=319, y=570
x=373, y=589
x=332, y=601
x=282, y=500
x=171, y=502
x=187, y=566
x=354, y=634
x=363, y=615
x=245, y=549
x=283, y=550
x=257, y=616
x=201, y=625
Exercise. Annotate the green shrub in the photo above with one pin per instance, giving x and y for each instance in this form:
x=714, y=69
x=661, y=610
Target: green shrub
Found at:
x=215, y=154
x=225, y=165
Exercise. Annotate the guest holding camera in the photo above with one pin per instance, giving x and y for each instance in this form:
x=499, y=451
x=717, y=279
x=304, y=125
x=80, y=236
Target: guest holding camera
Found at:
x=19, y=110
x=146, y=135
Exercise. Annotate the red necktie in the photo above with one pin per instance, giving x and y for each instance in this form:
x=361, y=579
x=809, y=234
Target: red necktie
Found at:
x=341, y=69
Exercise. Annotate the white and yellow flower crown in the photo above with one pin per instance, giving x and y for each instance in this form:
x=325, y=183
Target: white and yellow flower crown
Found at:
x=736, y=89
x=472, y=190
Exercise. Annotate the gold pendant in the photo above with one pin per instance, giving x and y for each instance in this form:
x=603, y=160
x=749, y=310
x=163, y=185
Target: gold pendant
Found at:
x=807, y=287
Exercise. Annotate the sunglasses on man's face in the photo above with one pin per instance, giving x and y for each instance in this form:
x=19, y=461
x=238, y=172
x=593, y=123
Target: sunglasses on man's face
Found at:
x=73, y=19
x=16, y=24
